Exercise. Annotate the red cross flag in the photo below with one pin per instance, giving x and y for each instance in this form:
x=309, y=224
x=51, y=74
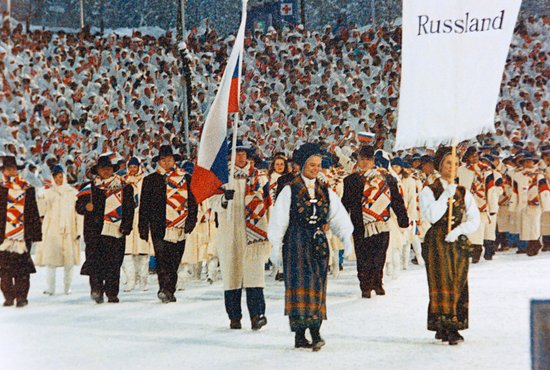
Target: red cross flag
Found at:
x=286, y=9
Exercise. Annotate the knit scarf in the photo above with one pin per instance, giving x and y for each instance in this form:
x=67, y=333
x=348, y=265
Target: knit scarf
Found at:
x=112, y=217
x=15, y=208
x=479, y=188
x=177, y=207
x=537, y=186
x=256, y=201
x=375, y=202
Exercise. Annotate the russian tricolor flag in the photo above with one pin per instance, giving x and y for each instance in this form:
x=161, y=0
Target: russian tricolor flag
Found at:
x=365, y=137
x=211, y=171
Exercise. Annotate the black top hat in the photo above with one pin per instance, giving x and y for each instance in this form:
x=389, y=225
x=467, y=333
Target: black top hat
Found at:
x=9, y=161
x=528, y=157
x=469, y=152
x=366, y=151
x=545, y=149
x=166, y=151
x=104, y=161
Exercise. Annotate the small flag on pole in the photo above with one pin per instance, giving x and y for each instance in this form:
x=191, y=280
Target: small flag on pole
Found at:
x=365, y=137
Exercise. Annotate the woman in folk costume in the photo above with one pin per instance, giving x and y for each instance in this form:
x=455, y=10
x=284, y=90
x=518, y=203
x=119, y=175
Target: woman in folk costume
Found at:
x=107, y=204
x=241, y=241
x=410, y=197
x=304, y=211
x=20, y=226
x=136, y=255
x=277, y=168
x=61, y=232
x=446, y=254
x=168, y=214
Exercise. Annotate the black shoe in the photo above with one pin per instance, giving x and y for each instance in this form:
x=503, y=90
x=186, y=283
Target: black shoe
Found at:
x=414, y=261
x=366, y=294
x=379, y=291
x=442, y=335
x=341, y=267
x=455, y=337
x=279, y=276
x=300, y=340
x=113, y=300
x=164, y=297
x=521, y=251
x=235, y=324
x=317, y=341
x=172, y=298
x=258, y=322
x=8, y=303
x=22, y=302
x=488, y=258
x=97, y=297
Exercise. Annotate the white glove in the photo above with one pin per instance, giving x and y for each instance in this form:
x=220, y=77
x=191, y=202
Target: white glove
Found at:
x=450, y=191
x=348, y=248
x=274, y=256
x=453, y=235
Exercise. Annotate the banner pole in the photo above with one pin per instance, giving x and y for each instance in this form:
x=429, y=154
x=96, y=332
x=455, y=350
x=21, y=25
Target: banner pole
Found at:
x=451, y=199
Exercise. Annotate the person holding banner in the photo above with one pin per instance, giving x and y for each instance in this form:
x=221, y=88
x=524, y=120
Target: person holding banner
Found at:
x=445, y=253
x=168, y=213
x=304, y=211
x=241, y=241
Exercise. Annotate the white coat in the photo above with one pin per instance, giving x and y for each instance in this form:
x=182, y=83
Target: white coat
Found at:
x=60, y=229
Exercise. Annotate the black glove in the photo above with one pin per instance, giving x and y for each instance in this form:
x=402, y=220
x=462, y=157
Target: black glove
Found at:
x=229, y=194
x=125, y=232
x=189, y=227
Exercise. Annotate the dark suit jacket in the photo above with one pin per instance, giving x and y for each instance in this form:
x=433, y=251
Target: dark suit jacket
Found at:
x=93, y=221
x=152, y=209
x=31, y=223
x=353, y=194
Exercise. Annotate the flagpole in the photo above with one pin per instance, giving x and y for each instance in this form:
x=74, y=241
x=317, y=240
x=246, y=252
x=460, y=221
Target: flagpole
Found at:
x=236, y=120
x=453, y=175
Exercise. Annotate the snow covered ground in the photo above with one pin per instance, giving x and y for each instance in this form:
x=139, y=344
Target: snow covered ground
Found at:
x=72, y=332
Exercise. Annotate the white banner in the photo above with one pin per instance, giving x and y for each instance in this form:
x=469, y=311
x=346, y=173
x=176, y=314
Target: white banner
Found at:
x=453, y=57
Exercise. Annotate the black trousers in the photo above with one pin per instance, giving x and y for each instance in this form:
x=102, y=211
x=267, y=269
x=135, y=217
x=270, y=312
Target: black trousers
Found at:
x=103, y=261
x=371, y=257
x=15, y=287
x=255, y=302
x=168, y=256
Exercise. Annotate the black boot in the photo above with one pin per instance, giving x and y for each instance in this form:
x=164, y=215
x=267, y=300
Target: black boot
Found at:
x=258, y=322
x=97, y=297
x=489, y=249
x=300, y=340
x=455, y=337
x=163, y=296
x=235, y=324
x=442, y=335
x=317, y=341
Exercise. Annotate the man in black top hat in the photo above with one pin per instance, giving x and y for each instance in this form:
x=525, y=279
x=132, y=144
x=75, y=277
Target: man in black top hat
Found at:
x=20, y=226
x=369, y=194
x=168, y=212
x=107, y=204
